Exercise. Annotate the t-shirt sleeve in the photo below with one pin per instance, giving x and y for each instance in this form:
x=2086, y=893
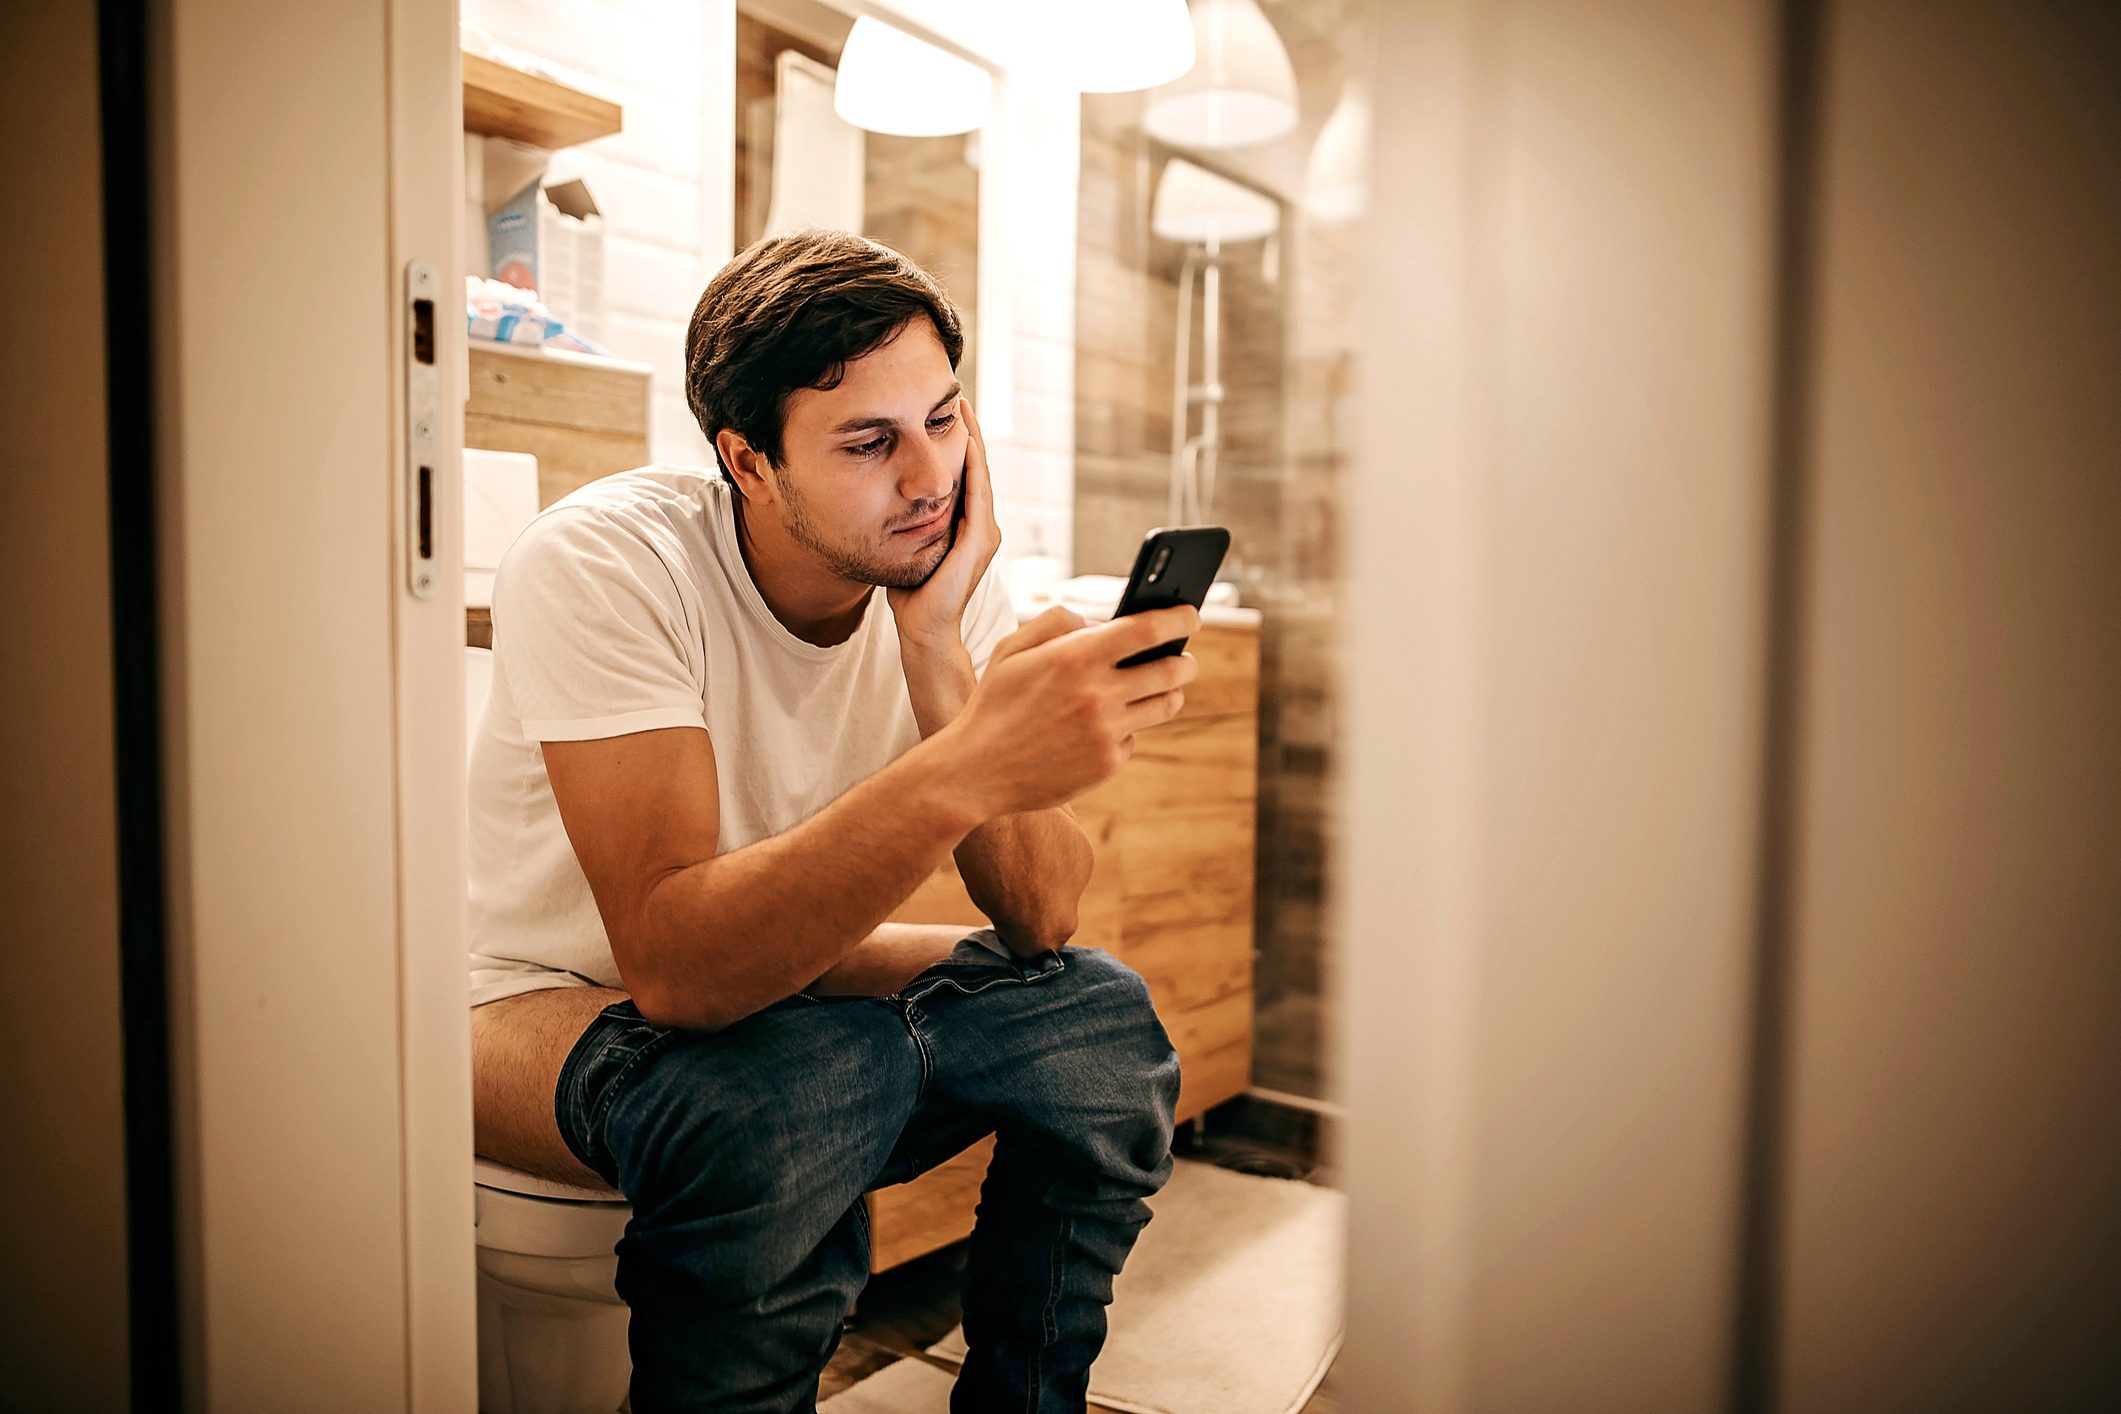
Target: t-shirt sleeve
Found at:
x=988, y=617
x=592, y=634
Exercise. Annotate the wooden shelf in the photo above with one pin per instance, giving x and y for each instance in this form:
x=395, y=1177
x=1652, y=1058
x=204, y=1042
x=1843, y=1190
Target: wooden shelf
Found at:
x=503, y=102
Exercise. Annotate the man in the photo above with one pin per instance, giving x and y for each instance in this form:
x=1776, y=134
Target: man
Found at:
x=714, y=760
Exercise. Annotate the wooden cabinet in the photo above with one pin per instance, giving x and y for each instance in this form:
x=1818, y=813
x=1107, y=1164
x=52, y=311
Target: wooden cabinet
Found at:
x=582, y=417
x=1171, y=895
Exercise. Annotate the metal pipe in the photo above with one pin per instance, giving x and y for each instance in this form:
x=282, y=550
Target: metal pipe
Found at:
x=1181, y=394
x=1211, y=319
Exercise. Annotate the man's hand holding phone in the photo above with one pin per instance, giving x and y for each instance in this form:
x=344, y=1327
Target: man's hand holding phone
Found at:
x=1057, y=711
x=1055, y=715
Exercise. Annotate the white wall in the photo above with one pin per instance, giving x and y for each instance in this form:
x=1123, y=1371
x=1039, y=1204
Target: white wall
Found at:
x=1034, y=264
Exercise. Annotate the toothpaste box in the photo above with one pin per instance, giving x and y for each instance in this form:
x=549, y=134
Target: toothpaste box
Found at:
x=551, y=239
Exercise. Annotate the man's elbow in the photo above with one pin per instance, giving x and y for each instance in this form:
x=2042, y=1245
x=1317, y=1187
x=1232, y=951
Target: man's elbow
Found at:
x=681, y=1004
x=659, y=1007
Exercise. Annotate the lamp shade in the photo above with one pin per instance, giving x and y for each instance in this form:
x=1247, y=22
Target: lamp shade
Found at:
x=1336, y=184
x=890, y=82
x=1241, y=88
x=1194, y=204
x=1113, y=46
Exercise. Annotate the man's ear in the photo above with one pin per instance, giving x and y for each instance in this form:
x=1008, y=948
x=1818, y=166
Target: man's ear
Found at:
x=746, y=464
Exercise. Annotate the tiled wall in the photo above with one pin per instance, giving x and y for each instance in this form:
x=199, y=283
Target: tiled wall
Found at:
x=1127, y=321
x=1034, y=157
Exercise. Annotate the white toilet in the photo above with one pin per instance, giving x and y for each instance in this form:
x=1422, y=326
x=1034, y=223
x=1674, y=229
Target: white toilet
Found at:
x=552, y=1330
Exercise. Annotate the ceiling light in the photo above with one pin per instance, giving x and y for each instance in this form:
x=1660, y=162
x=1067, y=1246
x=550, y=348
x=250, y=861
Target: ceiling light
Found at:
x=890, y=82
x=1336, y=184
x=1113, y=46
x=1241, y=88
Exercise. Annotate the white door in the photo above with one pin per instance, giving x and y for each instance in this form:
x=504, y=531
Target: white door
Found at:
x=305, y=155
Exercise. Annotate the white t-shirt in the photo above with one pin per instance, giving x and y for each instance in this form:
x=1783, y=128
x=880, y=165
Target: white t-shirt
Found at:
x=626, y=607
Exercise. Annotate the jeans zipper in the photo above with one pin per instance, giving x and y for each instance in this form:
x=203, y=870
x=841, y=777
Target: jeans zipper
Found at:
x=982, y=986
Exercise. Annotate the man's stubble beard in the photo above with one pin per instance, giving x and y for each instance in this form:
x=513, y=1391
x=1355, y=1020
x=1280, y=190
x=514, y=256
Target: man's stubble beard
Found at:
x=853, y=566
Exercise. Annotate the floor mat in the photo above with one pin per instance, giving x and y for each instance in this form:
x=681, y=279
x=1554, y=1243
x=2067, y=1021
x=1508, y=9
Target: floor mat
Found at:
x=1229, y=1304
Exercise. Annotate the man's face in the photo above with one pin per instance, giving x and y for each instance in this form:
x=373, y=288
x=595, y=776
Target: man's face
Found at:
x=870, y=470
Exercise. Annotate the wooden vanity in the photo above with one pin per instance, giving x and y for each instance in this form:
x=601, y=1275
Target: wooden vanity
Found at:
x=1171, y=895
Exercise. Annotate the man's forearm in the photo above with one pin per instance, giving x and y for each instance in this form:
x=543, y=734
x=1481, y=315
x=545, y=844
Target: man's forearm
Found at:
x=1027, y=871
x=720, y=939
x=888, y=959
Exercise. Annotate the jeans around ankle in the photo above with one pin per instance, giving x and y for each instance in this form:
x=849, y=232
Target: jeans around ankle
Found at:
x=745, y=1153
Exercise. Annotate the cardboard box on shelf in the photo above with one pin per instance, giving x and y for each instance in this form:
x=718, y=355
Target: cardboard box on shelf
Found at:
x=549, y=239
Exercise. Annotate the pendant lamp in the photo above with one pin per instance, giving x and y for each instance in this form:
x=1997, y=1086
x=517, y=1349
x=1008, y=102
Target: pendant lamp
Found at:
x=1112, y=46
x=1241, y=88
x=890, y=82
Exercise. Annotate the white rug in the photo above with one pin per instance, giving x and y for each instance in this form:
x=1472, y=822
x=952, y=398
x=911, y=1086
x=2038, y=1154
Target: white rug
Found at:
x=1229, y=1304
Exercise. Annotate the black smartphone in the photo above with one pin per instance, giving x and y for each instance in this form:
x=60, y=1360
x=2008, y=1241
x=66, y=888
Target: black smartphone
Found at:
x=1174, y=567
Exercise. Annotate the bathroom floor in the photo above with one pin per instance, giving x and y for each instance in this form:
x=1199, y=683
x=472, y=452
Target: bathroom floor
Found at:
x=910, y=1307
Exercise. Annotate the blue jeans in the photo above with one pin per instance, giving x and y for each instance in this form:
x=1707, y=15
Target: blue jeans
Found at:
x=745, y=1153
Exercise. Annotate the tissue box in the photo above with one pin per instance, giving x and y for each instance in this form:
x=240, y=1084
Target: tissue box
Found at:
x=551, y=239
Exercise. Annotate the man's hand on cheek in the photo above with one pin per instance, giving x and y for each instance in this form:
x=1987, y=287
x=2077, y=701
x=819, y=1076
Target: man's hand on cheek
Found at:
x=929, y=618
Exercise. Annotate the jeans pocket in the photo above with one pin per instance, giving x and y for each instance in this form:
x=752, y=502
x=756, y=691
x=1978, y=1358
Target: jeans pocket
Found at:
x=614, y=1043
x=979, y=962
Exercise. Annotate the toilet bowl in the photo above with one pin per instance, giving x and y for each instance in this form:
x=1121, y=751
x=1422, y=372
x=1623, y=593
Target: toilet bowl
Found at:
x=552, y=1330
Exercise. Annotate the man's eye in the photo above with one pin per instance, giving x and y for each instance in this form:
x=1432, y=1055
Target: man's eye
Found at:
x=867, y=449
x=942, y=424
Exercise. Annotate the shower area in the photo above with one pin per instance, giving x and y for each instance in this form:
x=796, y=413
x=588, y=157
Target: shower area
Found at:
x=1213, y=350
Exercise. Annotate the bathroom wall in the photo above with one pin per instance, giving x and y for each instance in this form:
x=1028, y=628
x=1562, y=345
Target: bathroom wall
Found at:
x=1030, y=159
x=1555, y=700
x=1286, y=330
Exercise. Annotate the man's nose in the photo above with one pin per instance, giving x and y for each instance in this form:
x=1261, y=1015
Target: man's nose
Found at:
x=928, y=473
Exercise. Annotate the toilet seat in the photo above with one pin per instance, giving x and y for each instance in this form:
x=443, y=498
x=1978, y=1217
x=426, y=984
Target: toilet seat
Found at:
x=537, y=1217
x=489, y=1174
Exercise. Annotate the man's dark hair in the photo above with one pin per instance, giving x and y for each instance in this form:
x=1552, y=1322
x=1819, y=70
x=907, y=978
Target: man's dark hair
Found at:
x=791, y=312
